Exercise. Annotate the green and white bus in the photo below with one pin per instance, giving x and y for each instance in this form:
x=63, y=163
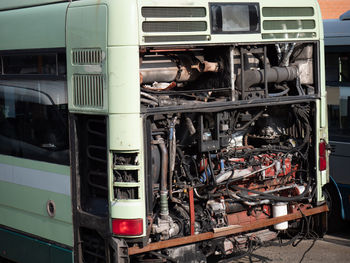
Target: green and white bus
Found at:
x=158, y=130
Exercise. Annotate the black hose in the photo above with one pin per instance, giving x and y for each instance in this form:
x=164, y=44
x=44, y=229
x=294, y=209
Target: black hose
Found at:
x=185, y=166
x=211, y=170
x=164, y=169
x=262, y=195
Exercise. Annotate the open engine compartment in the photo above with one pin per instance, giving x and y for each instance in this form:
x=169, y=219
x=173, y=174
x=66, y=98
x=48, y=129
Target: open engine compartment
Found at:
x=195, y=76
x=211, y=170
x=230, y=139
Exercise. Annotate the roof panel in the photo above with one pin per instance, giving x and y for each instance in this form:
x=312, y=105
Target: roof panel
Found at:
x=13, y=4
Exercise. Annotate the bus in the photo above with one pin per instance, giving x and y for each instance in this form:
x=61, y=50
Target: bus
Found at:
x=337, y=59
x=158, y=130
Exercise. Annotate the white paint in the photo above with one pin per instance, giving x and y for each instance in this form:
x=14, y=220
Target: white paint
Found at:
x=48, y=181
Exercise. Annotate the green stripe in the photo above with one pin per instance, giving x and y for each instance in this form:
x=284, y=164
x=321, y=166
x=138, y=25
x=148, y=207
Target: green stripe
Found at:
x=36, y=165
x=24, y=249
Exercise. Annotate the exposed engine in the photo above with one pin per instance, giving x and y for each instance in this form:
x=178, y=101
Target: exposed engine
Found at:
x=214, y=74
x=213, y=167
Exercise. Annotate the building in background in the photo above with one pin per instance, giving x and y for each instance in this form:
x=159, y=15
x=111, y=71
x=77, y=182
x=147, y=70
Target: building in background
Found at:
x=332, y=9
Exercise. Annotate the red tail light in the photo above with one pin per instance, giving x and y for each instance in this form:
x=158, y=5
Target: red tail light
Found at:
x=322, y=155
x=127, y=227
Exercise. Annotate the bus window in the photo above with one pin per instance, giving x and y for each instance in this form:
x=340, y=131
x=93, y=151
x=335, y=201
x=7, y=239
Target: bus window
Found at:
x=51, y=64
x=33, y=120
x=338, y=95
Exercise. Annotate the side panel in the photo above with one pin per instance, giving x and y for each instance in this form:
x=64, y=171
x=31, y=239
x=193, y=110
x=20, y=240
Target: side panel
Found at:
x=25, y=188
x=35, y=27
x=87, y=58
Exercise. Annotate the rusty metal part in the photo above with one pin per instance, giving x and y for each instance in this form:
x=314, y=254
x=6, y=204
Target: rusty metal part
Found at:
x=231, y=231
x=192, y=214
x=150, y=223
x=242, y=218
x=239, y=148
x=178, y=68
x=159, y=86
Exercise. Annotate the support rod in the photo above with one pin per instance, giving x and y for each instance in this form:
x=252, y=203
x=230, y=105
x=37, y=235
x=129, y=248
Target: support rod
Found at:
x=230, y=230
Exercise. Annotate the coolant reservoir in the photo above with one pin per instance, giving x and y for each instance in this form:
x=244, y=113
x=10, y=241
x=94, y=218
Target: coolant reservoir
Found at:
x=280, y=209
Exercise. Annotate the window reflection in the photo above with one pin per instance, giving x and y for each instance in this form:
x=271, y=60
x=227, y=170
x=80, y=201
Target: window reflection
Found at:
x=338, y=93
x=33, y=120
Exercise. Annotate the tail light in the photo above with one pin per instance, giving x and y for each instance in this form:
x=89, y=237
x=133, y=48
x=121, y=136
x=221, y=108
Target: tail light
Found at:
x=322, y=155
x=127, y=227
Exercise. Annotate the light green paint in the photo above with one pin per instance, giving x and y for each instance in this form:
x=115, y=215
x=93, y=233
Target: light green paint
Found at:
x=34, y=200
x=87, y=28
x=26, y=211
x=125, y=132
x=264, y=36
x=60, y=232
x=131, y=209
x=35, y=27
x=123, y=22
x=36, y=165
x=11, y=4
x=128, y=209
x=124, y=80
x=24, y=208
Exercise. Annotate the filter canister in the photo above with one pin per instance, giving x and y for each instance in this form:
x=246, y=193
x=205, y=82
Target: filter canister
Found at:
x=280, y=209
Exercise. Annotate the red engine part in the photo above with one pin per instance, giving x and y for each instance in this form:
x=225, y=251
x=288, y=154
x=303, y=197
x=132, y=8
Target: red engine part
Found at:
x=249, y=217
x=284, y=165
x=245, y=217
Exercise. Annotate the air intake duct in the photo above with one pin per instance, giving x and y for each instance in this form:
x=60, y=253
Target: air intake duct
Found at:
x=274, y=74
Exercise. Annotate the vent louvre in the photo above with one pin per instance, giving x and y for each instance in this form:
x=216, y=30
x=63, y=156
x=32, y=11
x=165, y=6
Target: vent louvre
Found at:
x=159, y=12
x=150, y=39
x=289, y=35
x=288, y=23
x=287, y=11
x=174, y=26
x=88, y=90
x=85, y=56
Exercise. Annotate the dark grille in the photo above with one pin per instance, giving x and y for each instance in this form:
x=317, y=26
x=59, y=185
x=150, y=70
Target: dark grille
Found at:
x=173, y=12
x=150, y=39
x=173, y=26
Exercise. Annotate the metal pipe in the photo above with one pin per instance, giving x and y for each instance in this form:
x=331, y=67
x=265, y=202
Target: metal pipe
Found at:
x=172, y=156
x=148, y=96
x=274, y=74
x=150, y=102
x=232, y=68
x=178, y=68
x=164, y=207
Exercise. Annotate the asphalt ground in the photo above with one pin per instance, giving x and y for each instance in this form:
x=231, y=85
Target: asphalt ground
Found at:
x=333, y=247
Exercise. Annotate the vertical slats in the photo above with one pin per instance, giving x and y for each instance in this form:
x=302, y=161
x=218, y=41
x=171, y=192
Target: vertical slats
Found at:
x=86, y=56
x=88, y=90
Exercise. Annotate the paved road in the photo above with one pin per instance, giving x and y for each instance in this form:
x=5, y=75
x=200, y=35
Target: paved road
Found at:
x=332, y=248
